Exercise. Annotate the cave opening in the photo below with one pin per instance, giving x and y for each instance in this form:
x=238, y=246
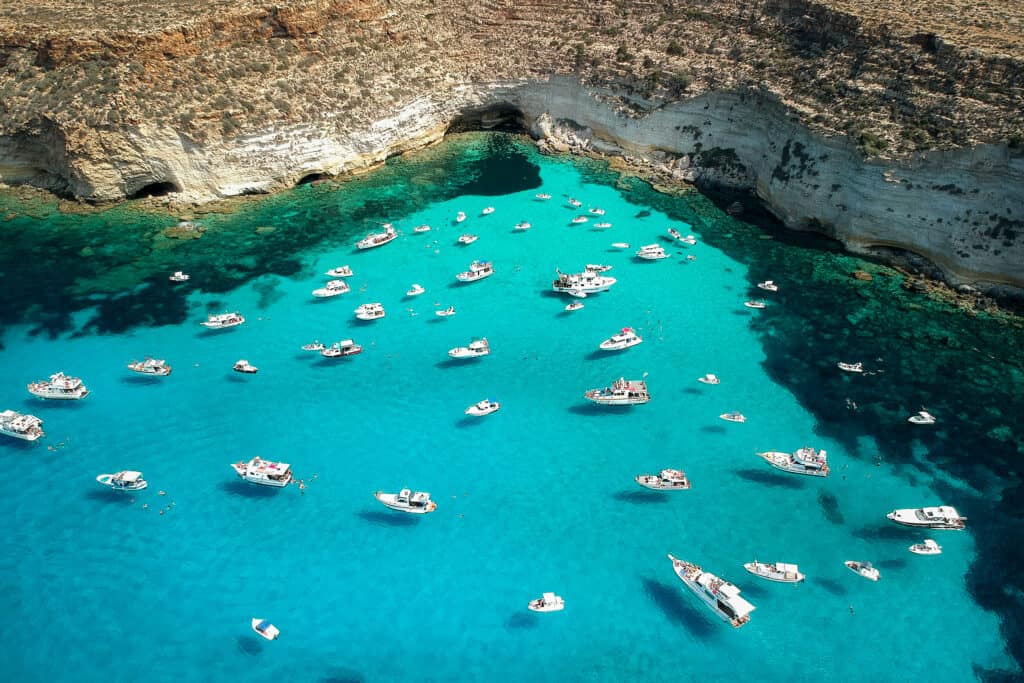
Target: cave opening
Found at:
x=160, y=189
x=310, y=178
x=502, y=117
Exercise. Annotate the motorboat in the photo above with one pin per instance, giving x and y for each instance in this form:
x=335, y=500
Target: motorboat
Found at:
x=476, y=349
x=691, y=257
x=622, y=392
x=574, y=306
x=468, y=238
x=264, y=472
x=315, y=345
x=523, y=226
x=579, y=219
x=666, y=480
x=415, y=290
x=651, y=252
x=332, y=288
x=542, y=196
x=586, y=282
x=223, y=321
x=768, y=286
x=179, y=276
x=478, y=270
x=413, y=502
x=460, y=216
x=597, y=268
x=265, y=629
x=150, y=366
x=754, y=304
x=709, y=379
x=923, y=417
x=21, y=426
x=851, y=367
x=926, y=547
x=938, y=517
x=245, y=367
x=623, y=340
x=579, y=294
x=689, y=239
x=340, y=271
x=597, y=211
x=378, y=239
x=421, y=229
x=775, y=571
x=602, y=225
x=548, y=602
x=345, y=347
x=445, y=312
x=60, y=387
x=733, y=416
x=127, y=480
x=574, y=202
x=675, y=234
x=372, y=311
x=864, y=569
x=722, y=597
x=484, y=407
x=620, y=245
x=804, y=460
x=487, y=211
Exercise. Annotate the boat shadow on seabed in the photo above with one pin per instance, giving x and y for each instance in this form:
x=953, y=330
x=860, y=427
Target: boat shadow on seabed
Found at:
x=674, y=604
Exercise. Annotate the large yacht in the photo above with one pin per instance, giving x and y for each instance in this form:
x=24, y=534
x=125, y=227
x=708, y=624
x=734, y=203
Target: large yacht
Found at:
x=478, y=270
x=721, y=596
x=24, y=427
x=623, y=340
x=622, y=392
x=651, y=252
x=346, y=347
x=265, y=472
x=776, y=571
x=406, y=500
x=666, y=480
x=476, y=348
x=376, y=239
x=370, y=311
x=223, y=321
x=804, y=460
x=940, y=517
x=586, y=282
x=127, y=480
x=332, y=288
x=150, y=366
x=60, y=387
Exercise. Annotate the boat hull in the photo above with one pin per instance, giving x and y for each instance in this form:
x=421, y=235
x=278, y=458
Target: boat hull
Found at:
x=655, y=483
x=776, y=576
x=61, y=396
x=390, y=500
x=617, y=401
x=936, y=524
x=784, y=462
x=34, y=436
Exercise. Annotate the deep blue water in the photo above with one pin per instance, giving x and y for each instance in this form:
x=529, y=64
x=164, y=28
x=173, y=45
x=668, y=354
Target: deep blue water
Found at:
x=537, y=497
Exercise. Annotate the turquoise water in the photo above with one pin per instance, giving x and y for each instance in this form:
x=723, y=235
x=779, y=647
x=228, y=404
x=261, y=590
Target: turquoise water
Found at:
x=537, y=497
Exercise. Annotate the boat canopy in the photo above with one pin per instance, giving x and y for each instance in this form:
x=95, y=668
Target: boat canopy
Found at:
x=549, y=598
x=784, y=567
x=263, y=625
x=420, y=497
x=129, y=476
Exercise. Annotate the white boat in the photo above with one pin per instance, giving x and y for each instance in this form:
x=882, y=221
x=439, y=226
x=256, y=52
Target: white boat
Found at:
x=586, y=282
x=666, y=480
x=938, y=517
x=574, y=202
x=548, y=602
x=620, y=245
x=127, y=480
x=60, y=387
x=476, y=349
x=345, y=347
x=179, y=276
x=597, y=211
x=733, y=416
x=768, y=286
x=340, y=271
x=623, y=340
x=776, y=571
x=421, y=228
x=315, y=345
x=689, y=239
x=651, y=252
x=244, y=366
x=150, y=366
x=709, y=379
x=445, y=312
x=415, y=290
x=223, y=321
x=484, y=407
x=804, y=460
x=622, y=392
x=332, y=288
x=577, y=293
x=523, y=226
x=579, y=219
x=377, y=239
x=597, y=268
x=487, y=211
x=264, y=472
x=573, y=306
x=850, y=367
x=864, y=569
x=754, y=304
x=468, y=238
x=413, y=502
x=923, y=417
x=265, y=629
x=21, y=426
x=675, y=234
x=478, y=270
x=372, y=311
x=926, y=547
x=542, y=196
x=460, y=216
x=603, y=225
x=721, y=596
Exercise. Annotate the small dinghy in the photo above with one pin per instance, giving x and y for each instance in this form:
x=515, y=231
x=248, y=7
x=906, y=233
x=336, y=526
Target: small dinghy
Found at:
x=733, y=416
x=421, y=228
x=754, y=304
x=574, y=202
x=620, y=245
x=523, y=226
x=542, y=196
x=775, y=571
x=245, y=367
x=484, y=407
x=864, y=569
x=850, y=367
x=597, y=211
x=923, y=417
x=549, y=602
x=265, y=629
x=487, y=211
x=316, y=345
x=675, y=234
x=460, y=216
x=768, y=286
x=444, y=313
x=574, y=306
x=603, y=225
x=579, y=219
x=179, y=277
x=340, y=271
x=709, y=379
x=468, y=238
x=415, y=290
x=926, y=547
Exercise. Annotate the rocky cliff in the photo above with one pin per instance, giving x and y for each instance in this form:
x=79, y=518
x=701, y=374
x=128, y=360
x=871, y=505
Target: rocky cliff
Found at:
x=897, y=130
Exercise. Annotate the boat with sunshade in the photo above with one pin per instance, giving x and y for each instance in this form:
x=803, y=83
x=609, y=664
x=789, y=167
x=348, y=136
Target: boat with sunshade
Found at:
x=406, y=500
x=59, y=387
x=722, y=597
x=126, y=480
x=548, y=602
x=622, y=392
x=378, y=239
x=21, y=426
x=666, y=480
x=775, y=571
x=265, y=629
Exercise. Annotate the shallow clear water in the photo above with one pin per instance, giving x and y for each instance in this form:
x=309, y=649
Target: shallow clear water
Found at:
x=537, y=497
